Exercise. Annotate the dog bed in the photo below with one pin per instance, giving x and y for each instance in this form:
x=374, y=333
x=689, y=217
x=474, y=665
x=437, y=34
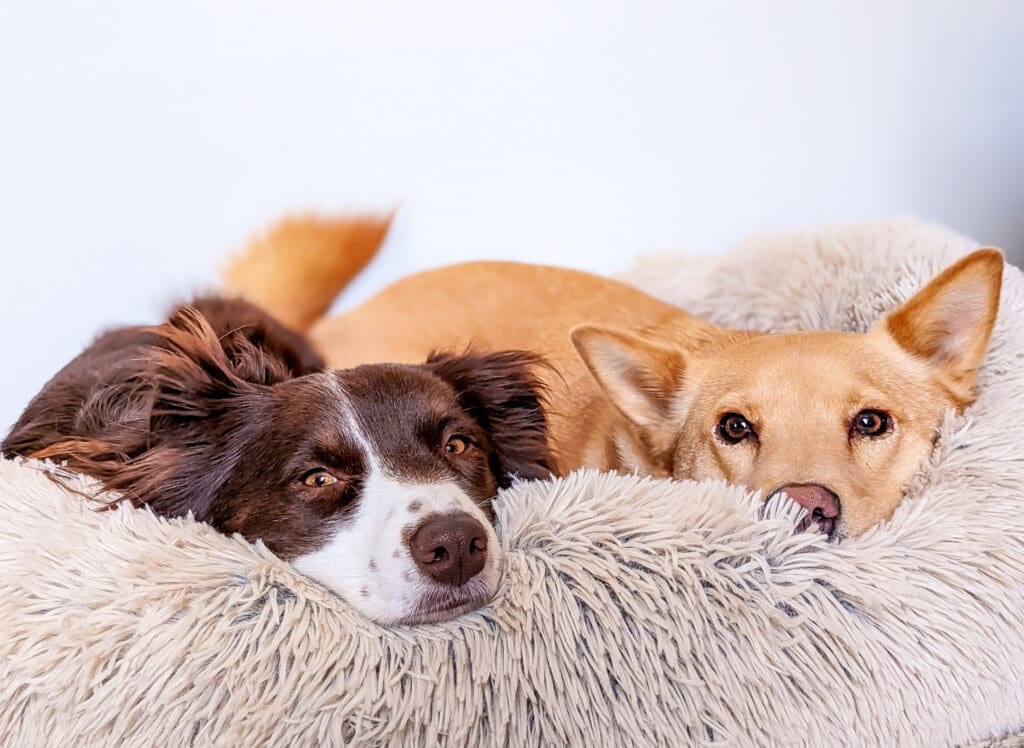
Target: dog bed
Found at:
x=631, y=611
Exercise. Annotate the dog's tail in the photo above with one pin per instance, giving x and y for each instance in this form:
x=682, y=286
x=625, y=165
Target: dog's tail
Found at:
x=297, y=269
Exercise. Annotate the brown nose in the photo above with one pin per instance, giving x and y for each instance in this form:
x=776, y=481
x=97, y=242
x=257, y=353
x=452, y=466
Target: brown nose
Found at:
x=451, y=548
x=822, y=505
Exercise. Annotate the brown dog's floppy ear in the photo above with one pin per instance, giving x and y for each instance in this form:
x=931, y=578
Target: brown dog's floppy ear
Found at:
x=502, y=392
x=949, y=322
x=638, y=376
x=192, y=373
x=261, y=349
x=179, y=420
x=201, y=410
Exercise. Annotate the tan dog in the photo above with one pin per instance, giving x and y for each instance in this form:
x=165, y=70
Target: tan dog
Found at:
x=840, y=421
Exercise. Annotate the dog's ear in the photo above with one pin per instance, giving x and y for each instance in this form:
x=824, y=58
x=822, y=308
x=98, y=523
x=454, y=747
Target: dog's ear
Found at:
x=503, y=393
x=949, y=322
x=205, y=409
x=191, y=411
x=638, y=376
x=261, y=349
x=194, y=374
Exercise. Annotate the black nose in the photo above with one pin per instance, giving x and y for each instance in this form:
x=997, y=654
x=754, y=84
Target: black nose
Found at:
x=451, y=548
x=821, y=503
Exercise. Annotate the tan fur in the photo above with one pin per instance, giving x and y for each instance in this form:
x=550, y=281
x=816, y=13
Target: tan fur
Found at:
x=507, y=305
x=802, y=390
x=636, y=384
x=322, y=257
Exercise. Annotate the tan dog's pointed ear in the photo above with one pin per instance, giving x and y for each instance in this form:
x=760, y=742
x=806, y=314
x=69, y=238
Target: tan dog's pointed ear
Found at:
x=638, y=376
x=949, y=322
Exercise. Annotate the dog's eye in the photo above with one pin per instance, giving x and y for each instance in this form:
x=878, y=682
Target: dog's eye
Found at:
x=734, y=428
x=871, y=423
x=456, y=445
x=319, y=478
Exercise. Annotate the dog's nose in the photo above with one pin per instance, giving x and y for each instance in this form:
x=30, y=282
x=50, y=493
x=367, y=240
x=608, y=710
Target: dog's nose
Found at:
x=451, y=548
x=822, y=505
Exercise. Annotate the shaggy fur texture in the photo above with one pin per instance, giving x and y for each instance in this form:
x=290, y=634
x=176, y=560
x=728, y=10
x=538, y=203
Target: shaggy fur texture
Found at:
x=631, y=611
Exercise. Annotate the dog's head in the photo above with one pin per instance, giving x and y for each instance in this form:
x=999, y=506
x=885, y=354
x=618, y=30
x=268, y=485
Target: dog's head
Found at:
x=377, y=481
x=840, y=421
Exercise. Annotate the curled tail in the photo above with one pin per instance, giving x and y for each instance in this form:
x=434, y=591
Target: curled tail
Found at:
x=300, y=265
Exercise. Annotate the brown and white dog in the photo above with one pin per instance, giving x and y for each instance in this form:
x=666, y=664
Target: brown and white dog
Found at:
x=839, y=421
x=376, y=481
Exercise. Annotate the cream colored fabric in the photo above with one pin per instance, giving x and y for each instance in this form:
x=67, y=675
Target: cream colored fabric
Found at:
x=631, y=611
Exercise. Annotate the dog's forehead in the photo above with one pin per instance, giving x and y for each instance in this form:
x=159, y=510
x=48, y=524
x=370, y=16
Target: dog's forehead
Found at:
x=314, y=417
x=808, y=369
x=398, y=412
x=386, y=389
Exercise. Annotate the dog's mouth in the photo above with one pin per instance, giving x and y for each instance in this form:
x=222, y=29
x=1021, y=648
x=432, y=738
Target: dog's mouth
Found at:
x=437, y=606
x=440, y=615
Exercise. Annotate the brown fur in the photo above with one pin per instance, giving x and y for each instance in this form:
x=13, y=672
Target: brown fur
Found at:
x=219, y=412
x=639, y=385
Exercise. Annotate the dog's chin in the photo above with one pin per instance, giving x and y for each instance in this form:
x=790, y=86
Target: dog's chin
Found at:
x=437, y=606
x=440, y=615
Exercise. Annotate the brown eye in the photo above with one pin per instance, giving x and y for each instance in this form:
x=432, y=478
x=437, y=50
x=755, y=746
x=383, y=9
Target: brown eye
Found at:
x=871, y=423
x=734, y=428
x=456, y=445
x=319, y=479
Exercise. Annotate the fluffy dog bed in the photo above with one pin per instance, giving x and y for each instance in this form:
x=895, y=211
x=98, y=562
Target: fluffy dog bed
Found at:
x=631, y=611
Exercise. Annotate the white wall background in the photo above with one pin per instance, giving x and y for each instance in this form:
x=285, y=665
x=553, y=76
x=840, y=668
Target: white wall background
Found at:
x=140, y=140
